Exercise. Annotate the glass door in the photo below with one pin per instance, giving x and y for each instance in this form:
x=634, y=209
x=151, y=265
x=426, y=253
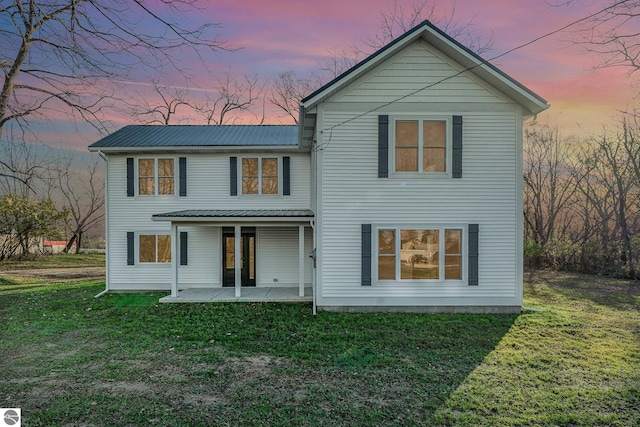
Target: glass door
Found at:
x=247, y=257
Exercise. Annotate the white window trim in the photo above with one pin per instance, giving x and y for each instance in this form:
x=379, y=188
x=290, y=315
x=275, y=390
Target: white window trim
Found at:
x=155, y=176
x=441, y=250
x=280, y=178
x=448, y=147
x=137, y=235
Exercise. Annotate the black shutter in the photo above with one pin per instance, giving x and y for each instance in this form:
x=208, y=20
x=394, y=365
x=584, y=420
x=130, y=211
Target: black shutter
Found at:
x=183, y=248
x=182, y=174
x=473, y=255
x=286, y=176
x=383, y=146
x=130, y=179
x=233, y=176
x=457, y=147
x=130, y=250
x=366, y=254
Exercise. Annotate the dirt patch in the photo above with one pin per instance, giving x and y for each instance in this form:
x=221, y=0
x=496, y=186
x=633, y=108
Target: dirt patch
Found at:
x=124, y=387
x=69, y=273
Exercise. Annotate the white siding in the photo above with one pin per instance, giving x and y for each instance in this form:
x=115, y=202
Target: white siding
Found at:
x=204, y=249
x=415, y=67
x=351, y=193
x=207, y=188
x=278, y=256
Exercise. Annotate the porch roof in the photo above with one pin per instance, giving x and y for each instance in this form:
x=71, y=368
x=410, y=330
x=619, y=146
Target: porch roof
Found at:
x=243, y=215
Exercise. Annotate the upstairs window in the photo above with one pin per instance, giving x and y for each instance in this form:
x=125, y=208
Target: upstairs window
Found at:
x=260, y=175
x=420, y=145
x=156, y=176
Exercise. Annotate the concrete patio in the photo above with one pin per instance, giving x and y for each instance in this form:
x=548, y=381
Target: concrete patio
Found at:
x=249, y=294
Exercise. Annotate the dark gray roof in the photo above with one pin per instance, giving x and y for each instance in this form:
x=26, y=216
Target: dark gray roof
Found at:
x=240, y=213
x=140, y=136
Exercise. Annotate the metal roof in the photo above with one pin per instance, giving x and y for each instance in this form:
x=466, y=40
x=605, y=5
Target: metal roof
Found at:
x=141, y=136
x=203, y=214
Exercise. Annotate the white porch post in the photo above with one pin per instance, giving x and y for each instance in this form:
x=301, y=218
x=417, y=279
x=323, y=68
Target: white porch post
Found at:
x=175, y=238
x=237, y=260
x=301, y=260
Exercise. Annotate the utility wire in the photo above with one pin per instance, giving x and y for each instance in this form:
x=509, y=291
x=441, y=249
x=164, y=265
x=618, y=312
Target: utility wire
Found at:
x=482, y=62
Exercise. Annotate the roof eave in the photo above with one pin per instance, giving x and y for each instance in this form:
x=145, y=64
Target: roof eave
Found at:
x=229, y=219
x=198, y=149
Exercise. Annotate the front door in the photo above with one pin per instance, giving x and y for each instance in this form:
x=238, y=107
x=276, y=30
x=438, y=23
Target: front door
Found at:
x=247, y=256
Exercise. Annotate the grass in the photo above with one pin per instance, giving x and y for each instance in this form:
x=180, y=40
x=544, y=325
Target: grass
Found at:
x=124, y=359
x=55, y=261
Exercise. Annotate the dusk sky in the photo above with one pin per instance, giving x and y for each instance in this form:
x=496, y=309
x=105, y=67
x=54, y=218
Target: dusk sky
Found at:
x=280, y=35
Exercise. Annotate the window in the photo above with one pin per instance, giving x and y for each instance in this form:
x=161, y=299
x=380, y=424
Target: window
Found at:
x=156, y=176
x=260, y=176
x=420, y=146
x=155, y=248
x=432, y=253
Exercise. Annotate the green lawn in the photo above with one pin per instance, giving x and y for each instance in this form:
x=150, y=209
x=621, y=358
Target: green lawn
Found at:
x=55, y=261
x=123, y=359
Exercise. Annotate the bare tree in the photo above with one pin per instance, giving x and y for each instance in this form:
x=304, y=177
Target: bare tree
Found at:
x=613, y=33
x=161, y=108
x=82, y=192
x=400, y=17
x=232, y=96
x=340, y=61
x=57, y=56
x=25, y=169
x=548, y=184
x=289, y=89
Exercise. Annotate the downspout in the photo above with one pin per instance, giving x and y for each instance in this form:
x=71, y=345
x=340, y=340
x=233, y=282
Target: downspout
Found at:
x=106, y=223
x=313, y=275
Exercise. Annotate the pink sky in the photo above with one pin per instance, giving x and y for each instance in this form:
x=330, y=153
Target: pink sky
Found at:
x=294, y=34
x=281, y=35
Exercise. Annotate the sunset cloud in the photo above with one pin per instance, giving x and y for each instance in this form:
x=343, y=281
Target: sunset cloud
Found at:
x=281, y=35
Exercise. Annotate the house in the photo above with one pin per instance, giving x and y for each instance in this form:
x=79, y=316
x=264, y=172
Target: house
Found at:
x=400, y=189
x=56, y=246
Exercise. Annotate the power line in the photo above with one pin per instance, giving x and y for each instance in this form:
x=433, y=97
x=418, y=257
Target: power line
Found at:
x=482, y=62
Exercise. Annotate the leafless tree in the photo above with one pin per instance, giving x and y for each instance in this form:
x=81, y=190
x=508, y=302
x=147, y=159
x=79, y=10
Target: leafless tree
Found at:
x=548, y=184
x=612, y=34
x=59, y=56
x=609, y=189
x=232, y=96
x=82, y=192
x=401, y=16
x=289, y=89
x=339, y=61
x=161, y=107
x=25, y=169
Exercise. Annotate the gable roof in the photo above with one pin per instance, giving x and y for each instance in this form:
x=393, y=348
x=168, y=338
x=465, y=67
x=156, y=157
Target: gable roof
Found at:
x=472, y=62
x=136, y=137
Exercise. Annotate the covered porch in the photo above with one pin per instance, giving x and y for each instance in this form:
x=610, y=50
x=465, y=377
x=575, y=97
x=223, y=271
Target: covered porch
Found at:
x=275, y=238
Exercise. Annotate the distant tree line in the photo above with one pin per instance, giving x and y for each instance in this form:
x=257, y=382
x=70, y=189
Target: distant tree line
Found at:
x=582, y=199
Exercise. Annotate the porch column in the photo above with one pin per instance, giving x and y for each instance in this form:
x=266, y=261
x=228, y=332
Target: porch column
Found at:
x=175, y=239
x=301, y=260
x=237, y=260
